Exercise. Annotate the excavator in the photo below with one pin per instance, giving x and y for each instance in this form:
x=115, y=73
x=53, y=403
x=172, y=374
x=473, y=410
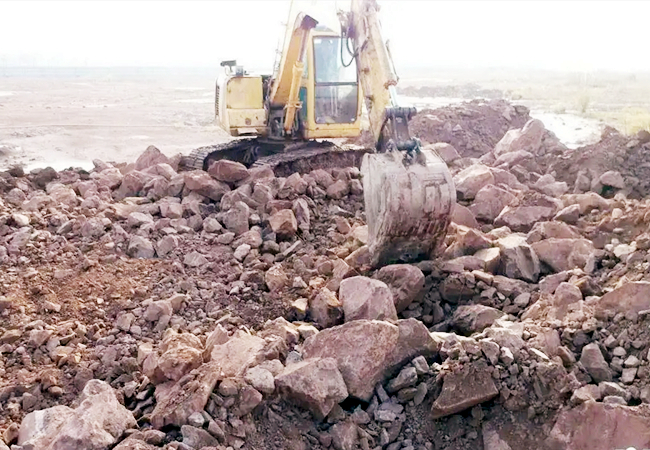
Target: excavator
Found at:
x=316, y=92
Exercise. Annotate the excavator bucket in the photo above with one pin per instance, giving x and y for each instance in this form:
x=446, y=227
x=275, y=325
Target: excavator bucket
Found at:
x=408, y=205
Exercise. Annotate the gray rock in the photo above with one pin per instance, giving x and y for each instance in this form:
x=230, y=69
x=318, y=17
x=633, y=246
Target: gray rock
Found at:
x=469, y=181
x=236, y=219
x=468, y=319
x=228, y=171
x=165, y=245
x=344, y=435
x=406, y=378
x=490, y=201
x=518, y=260
x=528, y=138
x=197, y=438
x=612, y=425
x=564, y=254
x=261, y=379
x=203, y=184
x=195, y=259
x=594, y=363
x=362, y=349
x=405, y=281
x=140, y=247
x=284, y=223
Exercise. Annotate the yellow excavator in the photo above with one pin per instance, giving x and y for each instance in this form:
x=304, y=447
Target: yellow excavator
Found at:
x=316, y=92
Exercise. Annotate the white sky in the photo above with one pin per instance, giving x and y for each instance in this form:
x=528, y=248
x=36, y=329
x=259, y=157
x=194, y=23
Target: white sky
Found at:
x=557, y=35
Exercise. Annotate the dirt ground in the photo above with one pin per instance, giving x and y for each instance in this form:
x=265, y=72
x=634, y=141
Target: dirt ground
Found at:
x=70, y=119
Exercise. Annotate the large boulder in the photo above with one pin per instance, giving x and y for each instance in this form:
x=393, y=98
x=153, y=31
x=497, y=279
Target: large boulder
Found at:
x=594, y=363
x=325, y=309
x=461, y=215
x=470, y=180
x=177, y=401
x=240, y=352
x=564, y=254
x=315, y=384
x=522, y=218
x=110, y=177
x=468, y=319
x=96, y=424
x=361, y=349
x=365, y=298
x=413, y=340
x=601, y=426
x=464, y=388
x=228, y=171
x=518, y=259
x=180, y=354
x=203, y=184
x=301, y=212
x=132, y=184
x=528, y=139
x=547, y=230
x=150, y=157
x=405, y=281
x=631, y=297
x=586, y=202
x=236, y=219
x=284, y=223
x=140, y=247
x=490, y=201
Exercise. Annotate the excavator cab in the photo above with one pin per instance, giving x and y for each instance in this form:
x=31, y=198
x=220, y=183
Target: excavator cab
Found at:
x=328, y=101
x=336, y=87
x=332, y=96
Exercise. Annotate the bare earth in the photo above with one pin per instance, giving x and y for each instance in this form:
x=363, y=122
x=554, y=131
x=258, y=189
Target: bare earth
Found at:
x=69, y=121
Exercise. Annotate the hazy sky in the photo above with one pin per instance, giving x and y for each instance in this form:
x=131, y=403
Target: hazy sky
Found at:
x=580, y=35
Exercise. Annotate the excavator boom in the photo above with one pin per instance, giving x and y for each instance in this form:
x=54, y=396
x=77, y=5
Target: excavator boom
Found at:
x=409, y=193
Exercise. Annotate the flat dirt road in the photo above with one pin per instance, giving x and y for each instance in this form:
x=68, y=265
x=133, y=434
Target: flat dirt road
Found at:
x=64, y=119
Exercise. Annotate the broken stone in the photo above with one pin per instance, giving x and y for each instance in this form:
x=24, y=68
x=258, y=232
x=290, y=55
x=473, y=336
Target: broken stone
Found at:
x=96, y=424
x=594, y=363
x=471, y=385
x=405, y=281
x=490, y=201
x=469, y=181
x=518, y=259
x=365, y=298
x=284, y=223
x=228, y=171
x=468, y=319
x=361, y=349
x=315, y=384
x=564, y=254
x=611, y=426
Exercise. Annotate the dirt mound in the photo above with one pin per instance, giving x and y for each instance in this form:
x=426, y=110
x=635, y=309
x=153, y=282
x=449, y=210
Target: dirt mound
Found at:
x=473, y=128
x=628, y=155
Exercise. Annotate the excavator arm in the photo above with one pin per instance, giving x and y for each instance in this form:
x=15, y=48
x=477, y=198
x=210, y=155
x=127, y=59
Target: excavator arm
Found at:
x=285, y=91
x=408, y=192
x=388, y=121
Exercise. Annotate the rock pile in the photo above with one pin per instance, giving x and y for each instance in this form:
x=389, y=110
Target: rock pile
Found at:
x=148, y=308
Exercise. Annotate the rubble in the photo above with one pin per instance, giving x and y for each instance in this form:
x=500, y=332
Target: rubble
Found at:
x=217, y=307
